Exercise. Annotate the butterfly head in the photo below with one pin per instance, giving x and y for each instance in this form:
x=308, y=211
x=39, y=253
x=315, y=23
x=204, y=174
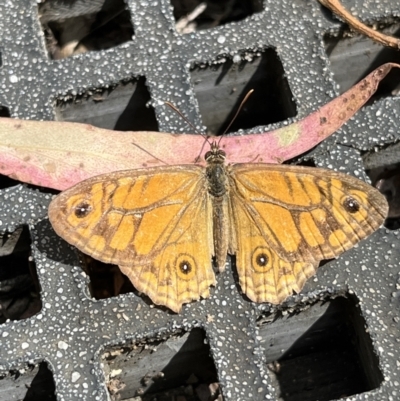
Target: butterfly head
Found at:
x=215, y=155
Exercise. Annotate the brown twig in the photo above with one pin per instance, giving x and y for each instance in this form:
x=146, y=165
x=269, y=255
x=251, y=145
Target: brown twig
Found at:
x=337, y=7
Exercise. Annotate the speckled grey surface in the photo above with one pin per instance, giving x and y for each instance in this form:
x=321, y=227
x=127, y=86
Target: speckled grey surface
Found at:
x=72, y=330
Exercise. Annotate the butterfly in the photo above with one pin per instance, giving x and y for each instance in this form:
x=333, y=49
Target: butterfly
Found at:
x=163, y=225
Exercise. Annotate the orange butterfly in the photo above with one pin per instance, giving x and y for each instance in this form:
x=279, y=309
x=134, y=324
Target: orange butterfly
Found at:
x=163, y=225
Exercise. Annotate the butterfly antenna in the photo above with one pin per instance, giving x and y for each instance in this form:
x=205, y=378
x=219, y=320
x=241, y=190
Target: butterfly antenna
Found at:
x=150, y=154
x=174, y=108
x=248, y=94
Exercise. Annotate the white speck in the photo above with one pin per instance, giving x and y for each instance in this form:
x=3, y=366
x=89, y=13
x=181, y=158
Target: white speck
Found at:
x=363, y=267
x=13, y=79
x=5, y=334
x=60, y=290
x=75, y=377
x=59, y=354
x=125, y=317
x=115, y=372
x=24, y=345
x=62, y=345
x=221, y=39
x=236, y=59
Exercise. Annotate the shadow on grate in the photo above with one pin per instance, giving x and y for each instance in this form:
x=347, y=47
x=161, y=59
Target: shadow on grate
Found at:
x=122, y=108
x=220, y=88
x=180, y=365
x=19, y=284
x=106, y=280
x=322, y=353
x=4, y=112
x=383, y=168
x=7, y=182
x=32, y=383
x=195, y=15
x=353, y=56
x=75, y=27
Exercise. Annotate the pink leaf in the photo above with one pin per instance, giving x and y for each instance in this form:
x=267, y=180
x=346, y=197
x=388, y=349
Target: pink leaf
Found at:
x=60, y=154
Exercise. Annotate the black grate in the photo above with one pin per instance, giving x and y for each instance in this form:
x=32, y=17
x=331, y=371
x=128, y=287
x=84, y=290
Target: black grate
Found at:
x=179, y=365
x=220, y=88
x=354, y=56
x=122, y=108
x=88, y=332
x=72, y=28
x=323, y=353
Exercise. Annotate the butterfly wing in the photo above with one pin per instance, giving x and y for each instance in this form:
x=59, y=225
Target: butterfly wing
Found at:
x=154, y=223
x=289, y=218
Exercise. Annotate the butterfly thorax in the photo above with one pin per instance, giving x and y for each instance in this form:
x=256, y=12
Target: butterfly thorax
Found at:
x=215, y=171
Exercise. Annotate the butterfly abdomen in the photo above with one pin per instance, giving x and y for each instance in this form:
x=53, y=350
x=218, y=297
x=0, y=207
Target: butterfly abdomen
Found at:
x=218, y=189
x=220, y=230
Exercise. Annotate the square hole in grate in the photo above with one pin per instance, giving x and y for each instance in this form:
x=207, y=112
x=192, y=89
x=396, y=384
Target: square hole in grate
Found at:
x=74, y=27
x=121, y=108
x=19, y=284
x=383, y=168
x=177, y=367
x=4, y=112
x=32, y=383
x=220, y=88
x=353, y=56
x=322, y=353
x=195, y=15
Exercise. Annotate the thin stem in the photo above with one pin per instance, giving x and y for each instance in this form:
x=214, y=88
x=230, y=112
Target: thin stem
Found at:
x=337, y=7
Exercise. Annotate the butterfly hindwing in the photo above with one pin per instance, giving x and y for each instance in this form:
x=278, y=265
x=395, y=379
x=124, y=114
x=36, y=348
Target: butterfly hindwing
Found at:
x=264, y=276
x=154, y=223
x=289, y=218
